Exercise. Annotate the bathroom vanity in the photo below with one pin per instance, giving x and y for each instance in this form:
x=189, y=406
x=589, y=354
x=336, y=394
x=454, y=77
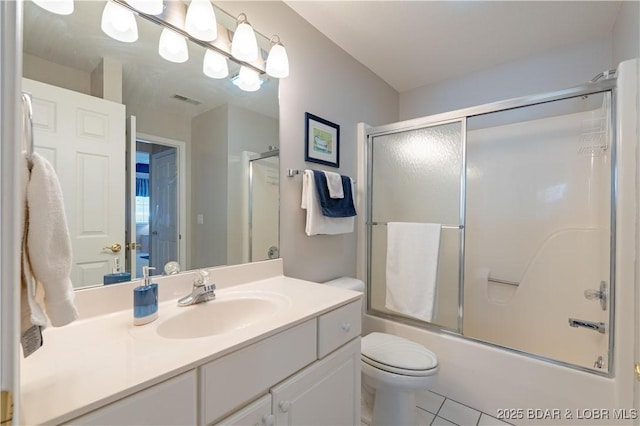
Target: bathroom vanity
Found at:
x=268, y=350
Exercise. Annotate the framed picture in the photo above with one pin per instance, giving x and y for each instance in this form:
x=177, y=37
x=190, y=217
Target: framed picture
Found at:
x=322, y=141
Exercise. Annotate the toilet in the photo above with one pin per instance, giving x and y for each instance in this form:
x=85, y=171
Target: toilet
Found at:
x=394, y=369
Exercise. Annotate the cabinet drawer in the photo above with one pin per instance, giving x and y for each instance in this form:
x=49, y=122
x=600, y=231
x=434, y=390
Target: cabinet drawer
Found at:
x=172, y=402
x=258, y=413
x=229, y=382
x=337, y=327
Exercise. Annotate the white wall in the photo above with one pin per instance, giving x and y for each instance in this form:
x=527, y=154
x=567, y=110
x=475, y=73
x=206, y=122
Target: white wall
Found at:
x=48, y=72
x=327, y=82
x=209, y=152
x=551, y=71
x=626, y=32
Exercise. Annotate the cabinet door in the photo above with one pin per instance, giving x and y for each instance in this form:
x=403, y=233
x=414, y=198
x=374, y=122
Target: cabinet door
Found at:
x=258, y=413
x=169, y=403
x=325, y=393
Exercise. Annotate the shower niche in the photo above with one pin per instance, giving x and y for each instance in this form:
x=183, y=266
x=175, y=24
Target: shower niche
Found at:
x=524, y=191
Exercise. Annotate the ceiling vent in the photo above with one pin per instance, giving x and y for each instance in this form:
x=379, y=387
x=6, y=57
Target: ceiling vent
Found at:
x=187, y=100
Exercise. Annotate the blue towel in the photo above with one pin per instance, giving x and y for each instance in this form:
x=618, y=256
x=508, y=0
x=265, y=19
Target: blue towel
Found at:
x=334, y=207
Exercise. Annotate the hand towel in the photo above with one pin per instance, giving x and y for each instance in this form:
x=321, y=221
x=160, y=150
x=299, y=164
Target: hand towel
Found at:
x=334, y=183
x=412, y=268
x=31, y=320
x=334, y=207
x=316, y=223
x=48, y=248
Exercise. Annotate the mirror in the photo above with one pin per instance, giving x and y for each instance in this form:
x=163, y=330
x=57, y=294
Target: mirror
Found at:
x=191, y=139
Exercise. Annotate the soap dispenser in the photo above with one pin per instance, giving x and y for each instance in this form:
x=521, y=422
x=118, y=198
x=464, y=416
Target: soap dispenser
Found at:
x=145, y=300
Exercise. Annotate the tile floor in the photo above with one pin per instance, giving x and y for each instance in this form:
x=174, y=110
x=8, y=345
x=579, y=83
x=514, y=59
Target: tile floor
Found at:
x=437, y=410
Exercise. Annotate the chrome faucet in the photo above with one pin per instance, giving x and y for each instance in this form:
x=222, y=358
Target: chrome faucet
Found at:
x=597, y=326
x=202, y=291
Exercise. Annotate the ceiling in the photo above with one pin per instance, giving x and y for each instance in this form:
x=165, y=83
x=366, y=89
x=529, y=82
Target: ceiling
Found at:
x=410, y=44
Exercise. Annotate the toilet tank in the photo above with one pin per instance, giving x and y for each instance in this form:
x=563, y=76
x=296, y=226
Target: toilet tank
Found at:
x=347, y=283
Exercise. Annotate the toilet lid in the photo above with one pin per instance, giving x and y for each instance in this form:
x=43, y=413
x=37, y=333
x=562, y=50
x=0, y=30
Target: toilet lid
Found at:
x=397, y=355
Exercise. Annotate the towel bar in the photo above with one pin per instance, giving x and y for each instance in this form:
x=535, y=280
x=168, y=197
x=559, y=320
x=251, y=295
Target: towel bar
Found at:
x=293, y=172
x=443, y=226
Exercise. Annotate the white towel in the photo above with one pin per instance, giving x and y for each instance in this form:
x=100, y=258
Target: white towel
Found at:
x=334, y=183
x=316, y=222
x=412, y=268
x=47, y=257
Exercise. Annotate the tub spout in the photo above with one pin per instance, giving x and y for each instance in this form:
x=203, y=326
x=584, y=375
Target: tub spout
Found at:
x=597, y=326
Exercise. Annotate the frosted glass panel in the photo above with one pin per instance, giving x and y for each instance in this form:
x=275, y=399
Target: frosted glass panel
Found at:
x=416, y=178
x=416, y=175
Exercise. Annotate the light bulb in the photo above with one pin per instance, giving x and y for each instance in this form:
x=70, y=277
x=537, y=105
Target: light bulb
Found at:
x=278, y=61
x=60, y=7
x=215, y=65
x=173, y=46
x=119, y=23
x=248, y=80
x=201, y=20
x=244, y=45
x=151, y=7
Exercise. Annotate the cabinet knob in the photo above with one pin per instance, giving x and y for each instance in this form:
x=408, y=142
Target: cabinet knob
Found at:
x=346, y=327
x=267, y=420
x=284, y=406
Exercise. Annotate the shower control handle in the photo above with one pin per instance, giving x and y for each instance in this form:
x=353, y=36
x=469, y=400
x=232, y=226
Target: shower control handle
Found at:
x=601, y=294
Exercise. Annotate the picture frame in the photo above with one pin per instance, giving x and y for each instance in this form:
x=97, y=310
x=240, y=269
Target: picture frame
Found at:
x=322, y=141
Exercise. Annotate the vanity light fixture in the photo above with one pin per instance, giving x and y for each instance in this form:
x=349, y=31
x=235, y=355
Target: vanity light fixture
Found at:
x=173, y=46
x=201, y=20
x=244, y=45
x=247, y=79
x=60, y=7
x=152, y=7
x=119, y=23
x=277, y=61
x=215, y=65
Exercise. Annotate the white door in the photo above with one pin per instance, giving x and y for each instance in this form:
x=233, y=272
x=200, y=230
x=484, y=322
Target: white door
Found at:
x=163, y=202
x=84, y=139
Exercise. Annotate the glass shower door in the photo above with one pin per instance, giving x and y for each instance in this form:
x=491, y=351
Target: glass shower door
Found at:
x=264, y=206
x=416, y=177
x=538, y=229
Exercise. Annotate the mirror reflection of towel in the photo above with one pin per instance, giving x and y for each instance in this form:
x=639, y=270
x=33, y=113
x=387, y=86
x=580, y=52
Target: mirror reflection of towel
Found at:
x=47, y=257
x=334, y=207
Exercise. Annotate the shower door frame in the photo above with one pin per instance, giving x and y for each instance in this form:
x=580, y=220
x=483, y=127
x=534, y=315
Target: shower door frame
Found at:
x=462, y=115
x=252, y=158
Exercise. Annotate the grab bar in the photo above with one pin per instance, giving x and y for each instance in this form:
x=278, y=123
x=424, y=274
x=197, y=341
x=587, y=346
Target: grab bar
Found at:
x=443, y=226
x=496, y=280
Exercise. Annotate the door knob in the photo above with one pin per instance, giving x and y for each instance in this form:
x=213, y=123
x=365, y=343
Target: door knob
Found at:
x=115, y=248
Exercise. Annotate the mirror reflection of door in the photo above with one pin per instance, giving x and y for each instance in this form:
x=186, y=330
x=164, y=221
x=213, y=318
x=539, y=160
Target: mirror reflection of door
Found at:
x=157, y=227
x=83, y=138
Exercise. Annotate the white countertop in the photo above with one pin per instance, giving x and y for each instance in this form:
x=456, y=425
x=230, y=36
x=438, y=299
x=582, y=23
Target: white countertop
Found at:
x=100, y=359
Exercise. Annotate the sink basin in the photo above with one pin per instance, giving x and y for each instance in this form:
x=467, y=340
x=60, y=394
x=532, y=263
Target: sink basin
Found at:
x=219, y=316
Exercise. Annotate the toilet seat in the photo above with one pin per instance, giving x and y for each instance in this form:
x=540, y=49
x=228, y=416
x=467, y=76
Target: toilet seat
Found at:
x=398, y=355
